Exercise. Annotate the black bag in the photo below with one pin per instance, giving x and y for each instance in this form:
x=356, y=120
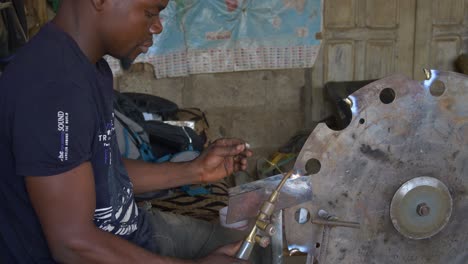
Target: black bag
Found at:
x=168, y=139
x=165, y=139
x=153, y=104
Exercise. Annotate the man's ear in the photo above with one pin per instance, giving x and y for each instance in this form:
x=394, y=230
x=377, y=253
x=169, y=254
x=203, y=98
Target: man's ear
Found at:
x=98, y=4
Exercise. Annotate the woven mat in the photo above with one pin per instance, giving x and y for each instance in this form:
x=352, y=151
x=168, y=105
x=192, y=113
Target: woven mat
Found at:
x=205, y=207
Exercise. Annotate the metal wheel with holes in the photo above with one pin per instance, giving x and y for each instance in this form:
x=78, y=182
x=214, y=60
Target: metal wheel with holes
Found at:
x=400, y=169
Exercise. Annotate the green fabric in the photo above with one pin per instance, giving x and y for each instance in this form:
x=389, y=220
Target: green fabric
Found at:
x=55, y=4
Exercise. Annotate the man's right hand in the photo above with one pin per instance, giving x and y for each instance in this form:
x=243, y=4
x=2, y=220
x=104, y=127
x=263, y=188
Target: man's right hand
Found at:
x=224, y=255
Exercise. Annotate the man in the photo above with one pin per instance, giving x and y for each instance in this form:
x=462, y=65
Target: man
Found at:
x=65, y=192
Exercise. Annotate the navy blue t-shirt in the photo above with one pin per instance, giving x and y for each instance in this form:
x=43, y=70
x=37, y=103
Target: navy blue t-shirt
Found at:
x=56, y=113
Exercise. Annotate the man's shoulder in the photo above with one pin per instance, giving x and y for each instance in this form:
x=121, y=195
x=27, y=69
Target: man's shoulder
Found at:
x=47, y=56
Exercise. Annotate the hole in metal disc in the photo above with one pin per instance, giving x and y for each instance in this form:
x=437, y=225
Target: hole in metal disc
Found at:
x=341, y=117
x=302, y=216
x=387, y=96
x=362, y=121
x=437, y=88
x=313, y=166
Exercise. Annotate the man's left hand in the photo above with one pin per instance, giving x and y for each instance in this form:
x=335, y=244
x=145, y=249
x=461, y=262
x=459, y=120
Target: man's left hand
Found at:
x=222, y=158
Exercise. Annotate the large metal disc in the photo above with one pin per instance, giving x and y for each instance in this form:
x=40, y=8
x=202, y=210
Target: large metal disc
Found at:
x=421, y=207
x=400, y=129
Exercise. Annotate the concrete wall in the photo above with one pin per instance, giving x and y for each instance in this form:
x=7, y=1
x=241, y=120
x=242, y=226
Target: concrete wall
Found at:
x=265, y=108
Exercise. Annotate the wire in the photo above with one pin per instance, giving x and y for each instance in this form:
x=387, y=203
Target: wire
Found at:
x=274, y=165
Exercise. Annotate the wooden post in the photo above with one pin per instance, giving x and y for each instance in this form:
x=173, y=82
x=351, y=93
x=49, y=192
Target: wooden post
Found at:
x=36, y=12
x=41, y=11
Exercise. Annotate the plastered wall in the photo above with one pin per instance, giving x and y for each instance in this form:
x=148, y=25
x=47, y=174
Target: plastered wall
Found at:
x=266, y=108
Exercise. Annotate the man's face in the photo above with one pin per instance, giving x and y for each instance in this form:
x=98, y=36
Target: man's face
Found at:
x=130, y=26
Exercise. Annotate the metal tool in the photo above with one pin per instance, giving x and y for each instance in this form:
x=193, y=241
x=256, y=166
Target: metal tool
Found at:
x=263, y=228
x=336, y=223
x=370, y=171
x=244, y=200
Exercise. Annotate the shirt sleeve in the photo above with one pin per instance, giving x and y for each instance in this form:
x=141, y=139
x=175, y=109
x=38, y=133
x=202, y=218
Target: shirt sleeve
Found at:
x=53, y=130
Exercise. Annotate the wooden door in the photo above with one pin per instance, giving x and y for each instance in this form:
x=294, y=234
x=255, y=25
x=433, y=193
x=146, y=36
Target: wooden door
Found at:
x=369, y=39
x=441, y=34
x=361, y=40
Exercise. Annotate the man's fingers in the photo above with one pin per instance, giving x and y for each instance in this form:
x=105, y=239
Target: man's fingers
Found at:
x=246, y=153
x=240, y=163
x=230, y=147
x=230, y=249
x=229, y=142
x=228, y=151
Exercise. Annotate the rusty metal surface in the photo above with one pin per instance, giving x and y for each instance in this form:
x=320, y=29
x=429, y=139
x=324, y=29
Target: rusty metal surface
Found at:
x=245, y=200
x=418, y=134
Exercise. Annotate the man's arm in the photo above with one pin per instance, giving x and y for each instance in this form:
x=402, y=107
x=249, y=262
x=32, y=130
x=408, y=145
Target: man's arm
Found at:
x=65, y=206
x=219, y=160
x=147, y=177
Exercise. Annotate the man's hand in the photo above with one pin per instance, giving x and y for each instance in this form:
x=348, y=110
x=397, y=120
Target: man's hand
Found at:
x=221, y=159
x=223, y=255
